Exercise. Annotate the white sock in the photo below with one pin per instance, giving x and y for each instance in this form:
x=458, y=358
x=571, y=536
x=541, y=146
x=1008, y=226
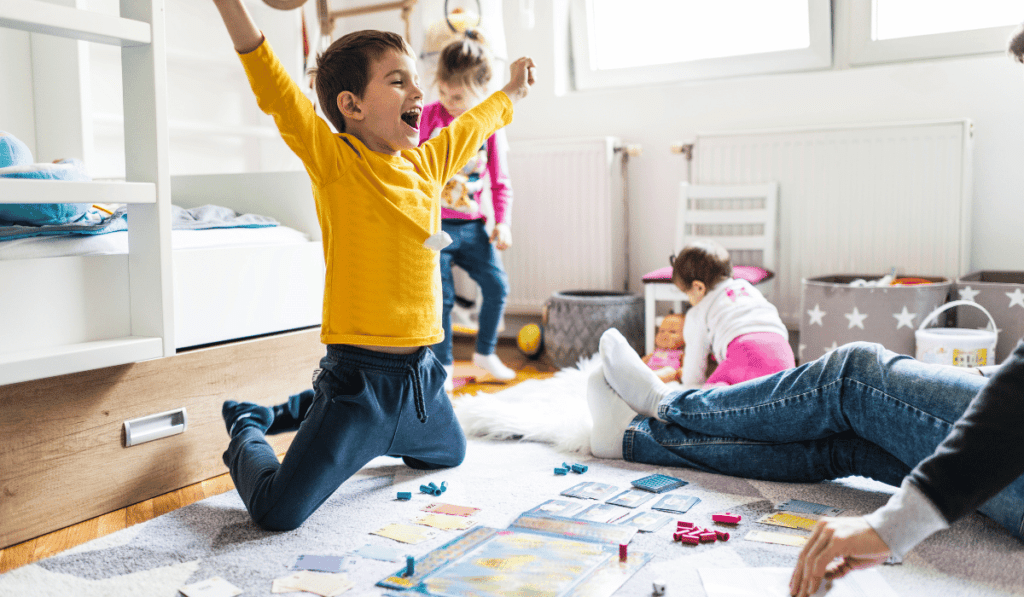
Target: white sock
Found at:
x=629, y=376
x=611, y=417
x=493, y=365
x=449, y=381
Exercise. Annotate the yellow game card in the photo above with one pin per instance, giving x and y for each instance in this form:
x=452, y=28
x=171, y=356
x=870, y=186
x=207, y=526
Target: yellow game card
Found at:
x=779, y=538
x=405, y=533
x=444, y=522
x=321, y=583
x=788, y=520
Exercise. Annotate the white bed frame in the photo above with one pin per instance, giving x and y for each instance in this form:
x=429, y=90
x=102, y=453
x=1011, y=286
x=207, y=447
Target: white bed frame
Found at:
x=61, y=311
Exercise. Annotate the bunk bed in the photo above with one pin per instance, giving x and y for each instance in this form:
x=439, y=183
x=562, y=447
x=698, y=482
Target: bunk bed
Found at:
x=113, y=367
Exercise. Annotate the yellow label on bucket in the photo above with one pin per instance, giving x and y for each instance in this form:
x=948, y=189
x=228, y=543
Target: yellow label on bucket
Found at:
x=977, y=357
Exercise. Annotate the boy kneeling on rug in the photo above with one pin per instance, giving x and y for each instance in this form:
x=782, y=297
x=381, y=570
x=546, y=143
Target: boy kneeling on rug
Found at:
x=379, y=390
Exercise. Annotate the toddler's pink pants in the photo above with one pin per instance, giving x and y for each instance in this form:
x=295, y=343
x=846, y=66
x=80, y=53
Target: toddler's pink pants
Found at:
x=753, y=355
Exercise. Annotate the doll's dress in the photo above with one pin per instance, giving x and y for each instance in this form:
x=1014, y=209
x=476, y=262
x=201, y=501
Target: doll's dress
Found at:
x=665, y=357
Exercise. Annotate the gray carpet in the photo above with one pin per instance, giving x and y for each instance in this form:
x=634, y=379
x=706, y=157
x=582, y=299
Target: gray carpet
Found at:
x=215, y=537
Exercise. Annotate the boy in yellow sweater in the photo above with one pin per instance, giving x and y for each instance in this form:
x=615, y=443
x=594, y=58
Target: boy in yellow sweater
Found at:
x=379, y=389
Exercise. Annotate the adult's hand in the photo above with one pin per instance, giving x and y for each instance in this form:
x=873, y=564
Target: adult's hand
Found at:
x=837, y=546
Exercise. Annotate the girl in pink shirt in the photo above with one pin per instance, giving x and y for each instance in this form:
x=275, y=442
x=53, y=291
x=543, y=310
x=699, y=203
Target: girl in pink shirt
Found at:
x=463, y=72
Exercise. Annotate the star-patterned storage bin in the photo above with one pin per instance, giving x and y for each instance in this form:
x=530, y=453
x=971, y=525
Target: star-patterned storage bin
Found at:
x=834, y=313
x=1002, y=295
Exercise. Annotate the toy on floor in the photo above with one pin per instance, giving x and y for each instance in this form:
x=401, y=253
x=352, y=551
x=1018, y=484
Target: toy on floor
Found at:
x=669, y=347
x=531, y=340
x=657, y=483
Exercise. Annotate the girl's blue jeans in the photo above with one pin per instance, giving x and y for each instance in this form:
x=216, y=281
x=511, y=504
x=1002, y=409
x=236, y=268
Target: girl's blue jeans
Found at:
x=471, y=249
x=859, y=410
x=366, y=404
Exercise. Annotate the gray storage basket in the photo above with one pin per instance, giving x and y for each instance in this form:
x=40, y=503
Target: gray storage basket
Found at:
x=888, y=315
x=1001, y=293
x=575, y=319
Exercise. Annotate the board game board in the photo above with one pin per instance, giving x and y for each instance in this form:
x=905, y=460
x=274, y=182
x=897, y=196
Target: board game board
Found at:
x=541, y=557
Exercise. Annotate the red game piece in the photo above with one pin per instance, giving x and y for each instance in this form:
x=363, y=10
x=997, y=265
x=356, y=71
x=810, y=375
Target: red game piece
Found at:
x=691, y=539
x=708, y=537
x=727, y=517
x=622, y=552
x=684, y=524
x=722, y=536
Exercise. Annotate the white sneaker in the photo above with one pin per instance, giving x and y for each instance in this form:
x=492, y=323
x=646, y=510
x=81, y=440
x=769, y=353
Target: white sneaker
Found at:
x=449, y=381
x=493, y=365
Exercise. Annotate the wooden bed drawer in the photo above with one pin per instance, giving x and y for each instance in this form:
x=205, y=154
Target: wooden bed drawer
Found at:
x=62, y=453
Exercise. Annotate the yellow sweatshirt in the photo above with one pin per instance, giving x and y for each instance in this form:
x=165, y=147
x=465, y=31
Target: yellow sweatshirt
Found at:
x=383, y=287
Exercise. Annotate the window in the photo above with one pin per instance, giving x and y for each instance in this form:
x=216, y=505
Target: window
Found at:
x=900, y=30
x=618, y=43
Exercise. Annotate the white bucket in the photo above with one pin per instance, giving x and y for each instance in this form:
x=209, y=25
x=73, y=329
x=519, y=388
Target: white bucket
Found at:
x=956, y=346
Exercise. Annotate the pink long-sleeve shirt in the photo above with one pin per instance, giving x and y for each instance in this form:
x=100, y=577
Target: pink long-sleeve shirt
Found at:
x=460, y=198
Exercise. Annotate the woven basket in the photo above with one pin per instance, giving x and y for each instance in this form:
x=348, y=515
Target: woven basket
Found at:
x=575, y=319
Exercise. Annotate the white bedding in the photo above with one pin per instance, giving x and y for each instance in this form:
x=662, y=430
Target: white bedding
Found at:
x=117, y=242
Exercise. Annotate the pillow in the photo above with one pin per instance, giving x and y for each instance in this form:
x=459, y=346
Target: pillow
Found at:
x=16, y=162
x=751, y=273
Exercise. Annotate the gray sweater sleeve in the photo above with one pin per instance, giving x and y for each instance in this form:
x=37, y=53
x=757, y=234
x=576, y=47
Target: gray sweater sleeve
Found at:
x=985, y=451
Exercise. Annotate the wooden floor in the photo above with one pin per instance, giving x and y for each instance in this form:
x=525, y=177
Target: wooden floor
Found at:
x=66, y=538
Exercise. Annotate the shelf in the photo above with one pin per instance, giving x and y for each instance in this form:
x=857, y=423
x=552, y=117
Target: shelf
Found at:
x=61, y=360
x=35, y=16
x=21, y=190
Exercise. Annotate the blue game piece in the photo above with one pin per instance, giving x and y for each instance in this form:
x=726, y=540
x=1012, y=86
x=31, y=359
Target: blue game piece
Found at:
x=427, y=489
x=410, y=565
x=444, y=486
x=579, y=468
x=561, y=471
x=431, y=485
x=405, y=495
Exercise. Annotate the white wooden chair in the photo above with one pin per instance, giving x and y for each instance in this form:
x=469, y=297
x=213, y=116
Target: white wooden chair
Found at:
x=741, y=218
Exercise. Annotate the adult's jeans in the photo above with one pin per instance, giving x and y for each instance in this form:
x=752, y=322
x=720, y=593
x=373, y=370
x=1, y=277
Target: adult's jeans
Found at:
x=366, y=404
x=859, y=410
x=471, y=249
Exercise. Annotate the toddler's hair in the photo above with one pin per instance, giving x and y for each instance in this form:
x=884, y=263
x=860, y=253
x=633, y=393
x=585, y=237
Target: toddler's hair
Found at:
x=465, y=62
x=702, y=260
x=1015, y=47
x=346, y=64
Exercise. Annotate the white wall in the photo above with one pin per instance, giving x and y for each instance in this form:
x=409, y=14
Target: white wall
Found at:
x=988, y=89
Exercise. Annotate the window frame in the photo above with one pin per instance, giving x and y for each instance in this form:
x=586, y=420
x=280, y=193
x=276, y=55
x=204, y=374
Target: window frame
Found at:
x=863, y=50
x=817, y=56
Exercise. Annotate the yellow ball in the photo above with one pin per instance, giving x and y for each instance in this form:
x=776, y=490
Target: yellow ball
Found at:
x=531, y=339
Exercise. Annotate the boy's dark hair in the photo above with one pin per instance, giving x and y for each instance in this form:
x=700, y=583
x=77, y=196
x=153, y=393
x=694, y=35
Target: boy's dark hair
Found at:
x=703, y=260
x=465, y=62
x=345, y=66
x=1015, y=47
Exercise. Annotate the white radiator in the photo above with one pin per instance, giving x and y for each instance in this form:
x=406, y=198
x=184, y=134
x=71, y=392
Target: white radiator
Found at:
x=568, y=220
x=855, y=200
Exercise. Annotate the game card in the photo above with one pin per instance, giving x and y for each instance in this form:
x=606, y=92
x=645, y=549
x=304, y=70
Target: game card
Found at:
x=214, y=586
x=631, y=498
x=676, y=503
x=602, y=513
x=801, y=506
x=788, y=520
x=405, y=533
x=564, y=508
x=779, y=538
x=451, y=509
x=646, y=522
x=379, y=552
x=319, y=563
x=444, y=522
x=590, y=491
x=320, y=583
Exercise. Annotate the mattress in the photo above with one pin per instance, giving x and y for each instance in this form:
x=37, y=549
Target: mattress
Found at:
x=116, y=243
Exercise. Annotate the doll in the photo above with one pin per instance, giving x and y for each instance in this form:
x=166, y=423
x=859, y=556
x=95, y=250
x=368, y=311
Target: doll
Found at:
x=667, y=358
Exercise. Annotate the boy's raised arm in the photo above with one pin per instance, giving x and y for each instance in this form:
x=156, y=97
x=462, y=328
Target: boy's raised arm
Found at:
x=521, y=79
x=243, y=30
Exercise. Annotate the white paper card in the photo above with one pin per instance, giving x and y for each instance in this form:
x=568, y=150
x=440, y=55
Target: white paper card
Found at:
x=211, y=587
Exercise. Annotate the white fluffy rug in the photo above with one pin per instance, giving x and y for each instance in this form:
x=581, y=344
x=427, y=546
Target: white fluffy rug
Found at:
x=552, y=411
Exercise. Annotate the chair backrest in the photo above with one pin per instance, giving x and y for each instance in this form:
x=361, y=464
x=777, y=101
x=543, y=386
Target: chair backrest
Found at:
x=741, y=218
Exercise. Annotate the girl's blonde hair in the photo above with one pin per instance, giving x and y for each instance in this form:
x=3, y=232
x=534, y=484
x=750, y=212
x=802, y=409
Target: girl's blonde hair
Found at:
x=465, y=62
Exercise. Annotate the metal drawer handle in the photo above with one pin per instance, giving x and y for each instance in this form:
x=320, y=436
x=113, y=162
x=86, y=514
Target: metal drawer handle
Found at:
x=152, y=427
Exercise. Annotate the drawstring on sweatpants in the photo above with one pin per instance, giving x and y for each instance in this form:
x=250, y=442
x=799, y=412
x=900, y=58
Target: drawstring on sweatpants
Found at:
x=417, y=393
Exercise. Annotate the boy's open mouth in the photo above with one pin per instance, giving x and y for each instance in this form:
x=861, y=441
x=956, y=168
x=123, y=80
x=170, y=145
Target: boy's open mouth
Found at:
x=412, y=118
